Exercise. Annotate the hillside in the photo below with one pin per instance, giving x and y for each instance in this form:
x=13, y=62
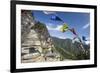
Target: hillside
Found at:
x=70, y=50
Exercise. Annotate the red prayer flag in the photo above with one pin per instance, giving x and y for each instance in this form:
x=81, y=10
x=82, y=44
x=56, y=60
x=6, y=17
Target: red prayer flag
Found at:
x=73, y=31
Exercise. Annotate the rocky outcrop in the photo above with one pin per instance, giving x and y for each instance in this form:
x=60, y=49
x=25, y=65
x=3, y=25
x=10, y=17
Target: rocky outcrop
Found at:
x=27, y=21
x=36, y=43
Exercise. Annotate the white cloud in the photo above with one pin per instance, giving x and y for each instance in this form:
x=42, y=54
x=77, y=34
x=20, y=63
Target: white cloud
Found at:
x=48, y=12
x=88, y=38
x=87, y=42
x=62, y=37
x=51, y=25
x=86, y=26
x=54, y=28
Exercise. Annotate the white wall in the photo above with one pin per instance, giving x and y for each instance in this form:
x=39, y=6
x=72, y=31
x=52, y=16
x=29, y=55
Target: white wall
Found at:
x=5, y=37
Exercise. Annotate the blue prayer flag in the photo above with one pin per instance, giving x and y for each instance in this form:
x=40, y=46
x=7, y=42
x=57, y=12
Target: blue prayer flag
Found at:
x=84, y=38
x=56, y=18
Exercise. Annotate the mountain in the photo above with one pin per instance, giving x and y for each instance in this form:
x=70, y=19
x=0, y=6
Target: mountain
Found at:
x=70, y=50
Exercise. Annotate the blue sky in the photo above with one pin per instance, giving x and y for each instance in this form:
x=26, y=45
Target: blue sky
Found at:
x=79, y=21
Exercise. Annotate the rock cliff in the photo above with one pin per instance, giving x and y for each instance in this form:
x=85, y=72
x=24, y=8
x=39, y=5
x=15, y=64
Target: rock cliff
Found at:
x=36, y=43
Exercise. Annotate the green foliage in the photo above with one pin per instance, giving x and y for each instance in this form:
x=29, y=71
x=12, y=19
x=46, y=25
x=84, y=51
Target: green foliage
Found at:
x=38, y=25
x=69, y=50
x=83, y=55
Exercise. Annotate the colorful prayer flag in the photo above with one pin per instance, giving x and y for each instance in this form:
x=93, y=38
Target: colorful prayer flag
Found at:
x=73, y=31
x=84, y=38
x=64, y=28
x=55, y=18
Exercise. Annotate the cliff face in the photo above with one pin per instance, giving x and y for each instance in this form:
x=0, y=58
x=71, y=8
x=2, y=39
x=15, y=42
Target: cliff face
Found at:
x=36, y=43
x=27, y=21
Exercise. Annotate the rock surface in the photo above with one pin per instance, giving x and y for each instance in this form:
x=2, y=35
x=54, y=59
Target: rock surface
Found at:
x=36, y=43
